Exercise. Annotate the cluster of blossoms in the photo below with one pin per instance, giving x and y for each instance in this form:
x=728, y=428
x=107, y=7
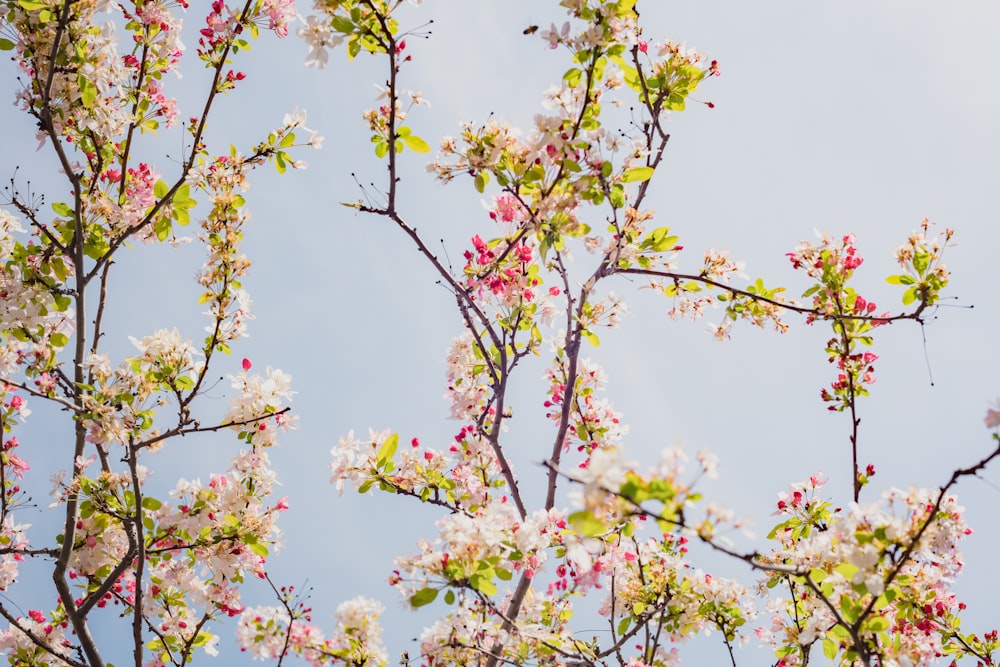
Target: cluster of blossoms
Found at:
x=463, y=477
x=650, y=581
x=17, y=645
x=94, y=79
x=387, y=120
x=165, y=362
x=541, y=636
x=204, y=543
x=475, y=549
x=482, y=149
x=83, y=87
x=362, y=24
x=468, y=378
x=925, y=275
x=693, y=295
x=32, y=318
x=224, y=179
x=101, y=539
x=119, y=404
x=507, y=272
x=110, y=412
x=197, y=550
x=225, y=24
x=831, y=264
x=121, y=201
x=257, y=411
x=13, y=537
x=271, y=632
x=593, y=422
x=653, y=582
x=871, y=581
x=13, y=534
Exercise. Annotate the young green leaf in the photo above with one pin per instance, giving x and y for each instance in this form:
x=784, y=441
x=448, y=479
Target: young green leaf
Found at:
x=637, y=174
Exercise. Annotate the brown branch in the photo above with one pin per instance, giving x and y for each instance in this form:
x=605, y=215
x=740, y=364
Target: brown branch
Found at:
x=291, y=619
x=99, y=317
x=139, y=542
x=36, y=640
x=198, y=428
x=785, y=305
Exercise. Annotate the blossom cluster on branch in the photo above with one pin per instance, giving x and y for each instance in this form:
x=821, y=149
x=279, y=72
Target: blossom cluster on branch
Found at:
x=869, y=584
x=515, y=555
x=94, y=80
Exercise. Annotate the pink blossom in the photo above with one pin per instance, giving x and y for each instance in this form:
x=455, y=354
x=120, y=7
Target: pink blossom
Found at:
x=992, y=419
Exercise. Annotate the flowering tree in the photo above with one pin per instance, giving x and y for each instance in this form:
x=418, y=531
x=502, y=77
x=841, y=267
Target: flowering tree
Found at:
x=94, y=78
x=868, y=584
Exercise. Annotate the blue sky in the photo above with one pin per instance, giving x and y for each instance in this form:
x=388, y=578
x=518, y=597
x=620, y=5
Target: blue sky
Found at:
x=842, y=117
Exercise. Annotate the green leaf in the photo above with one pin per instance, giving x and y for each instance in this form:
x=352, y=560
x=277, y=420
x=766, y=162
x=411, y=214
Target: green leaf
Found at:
x=817, y=574
x=88, y=91
x=162, y=228
x=184, y=383
x=909, y=296
x=637, y=174
x=258, y=549
x=617, y=196
x=846, y=570
x=573, y=77
x=631, y=76
x=183, y=197
x=449, y=597
x=6, y=44
x=483, y=584
x=151, y=504
x=59, y=268
x=160, y=189
x=659, y=240
x=586, y=524
x=353, y=47
x=342, y=24
x=58, y=340
x=387, y=450
x=591, y=338
x=830, y=649
x=31, y=5
x=416, y=144
x=675, y=103
x=62, y=209
x=877, y=624
x=900, y=280
x=423, y=597
x=482, y=178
